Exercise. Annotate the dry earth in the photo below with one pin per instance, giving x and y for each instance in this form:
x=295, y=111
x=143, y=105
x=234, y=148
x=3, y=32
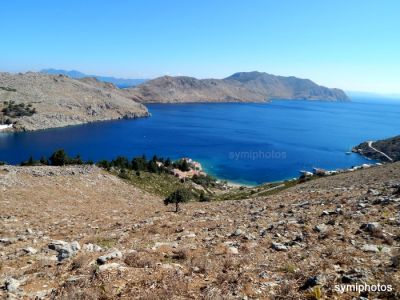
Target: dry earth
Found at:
x=342, y=229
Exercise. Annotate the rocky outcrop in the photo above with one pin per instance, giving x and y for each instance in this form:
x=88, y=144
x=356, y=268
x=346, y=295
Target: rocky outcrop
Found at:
x=240, y=87
x=61, y=101
x=387, y=150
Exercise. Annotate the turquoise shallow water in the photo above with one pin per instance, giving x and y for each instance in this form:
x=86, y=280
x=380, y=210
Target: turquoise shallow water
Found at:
x=245, y=143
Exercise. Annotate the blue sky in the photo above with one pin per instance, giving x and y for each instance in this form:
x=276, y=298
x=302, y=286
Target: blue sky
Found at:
x=354, y=45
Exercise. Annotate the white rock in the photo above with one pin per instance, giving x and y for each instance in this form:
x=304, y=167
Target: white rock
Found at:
x=233, y=250
x=92, y=248
x=111, y=266
x=11, y=285
x=370, y=248
x=106, y=257
x=279, y=247
x=321, y=228
x=30, y=250
x=65, y=250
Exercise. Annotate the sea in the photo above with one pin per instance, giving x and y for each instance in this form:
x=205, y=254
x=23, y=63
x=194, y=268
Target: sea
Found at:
x=244, y=143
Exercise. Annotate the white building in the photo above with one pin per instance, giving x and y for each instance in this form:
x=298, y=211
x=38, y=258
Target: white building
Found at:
x=4, y=127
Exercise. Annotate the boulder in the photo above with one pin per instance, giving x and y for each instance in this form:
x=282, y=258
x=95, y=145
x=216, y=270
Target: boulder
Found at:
x=279, y=247
x=64, y=249
x=111, y=255
x=11, y=285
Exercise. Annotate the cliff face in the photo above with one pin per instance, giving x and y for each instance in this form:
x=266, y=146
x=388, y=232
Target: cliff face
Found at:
x=59, y=101
x=240, y=87
x=377, y=150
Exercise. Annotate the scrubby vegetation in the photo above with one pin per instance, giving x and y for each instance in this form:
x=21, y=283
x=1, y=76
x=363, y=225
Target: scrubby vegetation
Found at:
x=7, y=89
x=156, y=176
x=58, y=158
x=13, y=110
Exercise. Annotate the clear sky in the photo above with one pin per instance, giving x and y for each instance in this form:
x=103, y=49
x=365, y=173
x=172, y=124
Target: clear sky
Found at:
x=350, y=44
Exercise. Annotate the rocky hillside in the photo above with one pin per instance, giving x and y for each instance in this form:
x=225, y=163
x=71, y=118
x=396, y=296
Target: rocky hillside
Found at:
x=240, y=87
x=82, y=233
x=120, y=82
x=384, y=150
x=57, y=100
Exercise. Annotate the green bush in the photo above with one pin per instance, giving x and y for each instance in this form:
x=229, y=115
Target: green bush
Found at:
x=59, y=158
x=204, y=180
x=181, y=195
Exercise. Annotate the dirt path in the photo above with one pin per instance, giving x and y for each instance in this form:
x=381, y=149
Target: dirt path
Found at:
x=384, y=154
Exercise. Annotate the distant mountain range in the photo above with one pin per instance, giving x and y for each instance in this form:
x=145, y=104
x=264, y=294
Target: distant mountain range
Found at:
x=239, y=87
x=119, y=82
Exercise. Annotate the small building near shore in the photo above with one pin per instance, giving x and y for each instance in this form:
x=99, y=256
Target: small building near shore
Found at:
x=5, y=126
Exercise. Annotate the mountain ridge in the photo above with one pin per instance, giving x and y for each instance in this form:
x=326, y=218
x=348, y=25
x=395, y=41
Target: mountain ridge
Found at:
x=239, y=87
x=119, y=82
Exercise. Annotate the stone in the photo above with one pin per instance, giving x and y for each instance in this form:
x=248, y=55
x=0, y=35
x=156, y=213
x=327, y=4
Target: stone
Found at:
x=64, y=249
x=30, y=250
x=11, y=285
x=313, y=281
x=111, y=266
x=233, y=250
x=7, y=241
x=111, y=255
x=237, y=232
x=279, y=247
x=371, y=227
x=370, y=248
x=92, y=248
x=321, y=228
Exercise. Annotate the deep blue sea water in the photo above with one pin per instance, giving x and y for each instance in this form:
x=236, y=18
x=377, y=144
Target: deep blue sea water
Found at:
x=245, y=143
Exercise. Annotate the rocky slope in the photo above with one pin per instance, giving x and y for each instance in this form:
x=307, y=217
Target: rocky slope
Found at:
x=240, y=87
x=81, y=233
x=62, y=101
x=390, y=147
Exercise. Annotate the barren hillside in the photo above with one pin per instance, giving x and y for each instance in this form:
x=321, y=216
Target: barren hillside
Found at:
x=59, y=101
x=81, y=233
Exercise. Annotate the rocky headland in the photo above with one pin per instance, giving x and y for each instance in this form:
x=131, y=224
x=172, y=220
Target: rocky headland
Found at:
x=34, y=101
x=387, y=150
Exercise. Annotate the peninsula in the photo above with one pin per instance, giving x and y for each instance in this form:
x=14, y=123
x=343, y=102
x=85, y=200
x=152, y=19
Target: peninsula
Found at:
x=33, y=101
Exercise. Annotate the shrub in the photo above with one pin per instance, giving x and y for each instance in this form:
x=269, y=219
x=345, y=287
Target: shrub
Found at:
x=44, y=160
x=30, y=162
x=204, y=180
x=203, y=197
x=123, y=174
x=105, y=164
x=121, y=162
x=59, y=158
x=181, y=195
x=182, y=165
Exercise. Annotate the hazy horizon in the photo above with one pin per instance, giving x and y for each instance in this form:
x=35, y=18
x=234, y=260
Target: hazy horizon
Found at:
x=353, y=45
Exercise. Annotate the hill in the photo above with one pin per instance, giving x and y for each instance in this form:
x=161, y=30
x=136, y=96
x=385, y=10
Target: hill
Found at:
x=92, y=235
x=119, y=82
x=38, y=101
x=240, y=87
x=378, y=149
